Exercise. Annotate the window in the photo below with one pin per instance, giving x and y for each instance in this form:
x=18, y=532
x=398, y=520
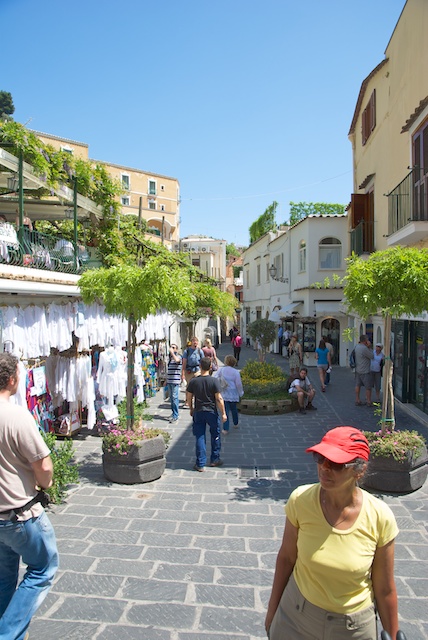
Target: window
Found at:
x=302, y=256
x=369, y=118
x=162, y=207
x=258, y=274
x=126, y=182
x=247, y=279
x=330, y=253
x=162, y=187
x=267, y=271
x=125, y=200
x=67, y=150
x=152, y=187
x=278, y=262
x=152, y=204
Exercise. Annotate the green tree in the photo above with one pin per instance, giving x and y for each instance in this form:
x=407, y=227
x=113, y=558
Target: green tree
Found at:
x=391, y=283
x=232, y=251
x=163, y=283
x=266, y=222
x=301, y=210
x=264, y=331
x=6, y=105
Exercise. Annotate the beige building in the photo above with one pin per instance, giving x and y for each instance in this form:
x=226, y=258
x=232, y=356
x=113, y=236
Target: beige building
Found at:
x=207, y=254
x=153, y=197
x=389, y=206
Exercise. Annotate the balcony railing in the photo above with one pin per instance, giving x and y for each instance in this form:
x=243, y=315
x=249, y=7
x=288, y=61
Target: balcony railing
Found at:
x=408, y=201
x=362, y=238
x=40, y=251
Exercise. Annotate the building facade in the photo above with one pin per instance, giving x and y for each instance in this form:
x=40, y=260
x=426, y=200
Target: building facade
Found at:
x=389, y=206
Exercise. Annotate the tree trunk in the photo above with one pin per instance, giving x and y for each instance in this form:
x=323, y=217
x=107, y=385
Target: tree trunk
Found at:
x=388, y=418
x=132, y=327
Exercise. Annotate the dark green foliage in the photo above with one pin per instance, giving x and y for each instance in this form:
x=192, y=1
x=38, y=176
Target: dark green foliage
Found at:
x=266, y=222
x=301, y=210
x=264, y=331
x=65, y=470
x=6, y=104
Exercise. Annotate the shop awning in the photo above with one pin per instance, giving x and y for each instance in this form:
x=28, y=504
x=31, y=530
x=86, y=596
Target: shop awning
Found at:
x=286, y=311
x=329, y=307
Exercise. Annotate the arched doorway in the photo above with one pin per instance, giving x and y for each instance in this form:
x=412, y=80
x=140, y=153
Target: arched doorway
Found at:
x=331, y=327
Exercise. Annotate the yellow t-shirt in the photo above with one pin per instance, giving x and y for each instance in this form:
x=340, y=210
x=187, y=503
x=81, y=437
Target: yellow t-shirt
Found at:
x=333, y=567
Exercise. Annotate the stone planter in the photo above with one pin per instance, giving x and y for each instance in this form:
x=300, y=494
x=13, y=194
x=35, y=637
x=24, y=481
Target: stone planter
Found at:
x=389, y=475
x=143, y=463
x=267, y=407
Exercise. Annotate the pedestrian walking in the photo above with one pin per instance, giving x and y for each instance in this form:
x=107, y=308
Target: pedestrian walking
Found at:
x=231, y=390
x=191, y=358
x=25, y=530
x=323, y=358
x=206, y=408
x=210, y=352
x=237, y=346
x=173, y=380
x=330, y=347
x=337, y=554
x=376, y=368
x=295, y=355
x=363, y=375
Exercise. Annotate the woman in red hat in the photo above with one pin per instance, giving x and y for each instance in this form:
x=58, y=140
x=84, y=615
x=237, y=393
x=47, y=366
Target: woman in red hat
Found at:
x=337, y=554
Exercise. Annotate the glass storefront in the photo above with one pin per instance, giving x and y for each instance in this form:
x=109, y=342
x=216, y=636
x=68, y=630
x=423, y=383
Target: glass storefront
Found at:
x=410, y=358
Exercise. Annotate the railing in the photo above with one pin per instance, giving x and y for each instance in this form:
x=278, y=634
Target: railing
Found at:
x=362, y=238
x=408, y=201
x=40, y=251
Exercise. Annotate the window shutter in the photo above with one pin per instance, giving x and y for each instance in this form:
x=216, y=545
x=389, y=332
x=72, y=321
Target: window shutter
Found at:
x=359, y=208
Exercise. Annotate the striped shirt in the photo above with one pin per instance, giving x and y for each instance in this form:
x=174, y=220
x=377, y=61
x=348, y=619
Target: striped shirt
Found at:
x=174, y=371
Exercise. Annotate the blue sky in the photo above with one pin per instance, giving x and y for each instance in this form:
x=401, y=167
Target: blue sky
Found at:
x=244, y=102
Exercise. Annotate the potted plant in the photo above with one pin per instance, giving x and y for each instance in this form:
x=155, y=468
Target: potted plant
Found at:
x=135, y=455
x=398, y=461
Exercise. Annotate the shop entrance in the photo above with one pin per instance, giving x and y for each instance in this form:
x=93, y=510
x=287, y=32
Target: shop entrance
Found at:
x=331, y=327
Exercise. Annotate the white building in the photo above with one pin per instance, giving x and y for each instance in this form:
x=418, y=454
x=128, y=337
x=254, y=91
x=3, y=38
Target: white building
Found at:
x=284, y=280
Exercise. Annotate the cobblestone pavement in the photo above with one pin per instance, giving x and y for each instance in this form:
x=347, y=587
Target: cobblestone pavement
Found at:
x=191, y=556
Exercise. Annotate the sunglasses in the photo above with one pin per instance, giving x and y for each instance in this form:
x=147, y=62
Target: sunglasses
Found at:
x=334, y=466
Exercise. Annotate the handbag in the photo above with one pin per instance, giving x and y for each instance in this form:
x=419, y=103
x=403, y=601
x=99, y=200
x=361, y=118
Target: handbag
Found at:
x=214, y=365
x=223, y=383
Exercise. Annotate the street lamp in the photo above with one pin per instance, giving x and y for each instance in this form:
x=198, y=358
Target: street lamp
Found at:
x=273, y=271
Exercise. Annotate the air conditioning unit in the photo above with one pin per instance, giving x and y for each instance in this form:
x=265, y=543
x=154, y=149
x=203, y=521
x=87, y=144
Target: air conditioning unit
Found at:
x=193, y=249
x=176, y=247
x=204, y=249
x=185, y=245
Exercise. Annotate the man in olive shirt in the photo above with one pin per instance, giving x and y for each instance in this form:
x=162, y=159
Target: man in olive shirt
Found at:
x=205, y=401
x=25, y=529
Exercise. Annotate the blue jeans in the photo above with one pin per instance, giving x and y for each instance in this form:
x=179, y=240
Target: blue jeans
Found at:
x=200, y=421
x=230, y=407
x=34, y=541
x=173, y=396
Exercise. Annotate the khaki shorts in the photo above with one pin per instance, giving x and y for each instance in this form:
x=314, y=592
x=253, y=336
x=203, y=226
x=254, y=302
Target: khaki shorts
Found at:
x=298, y=619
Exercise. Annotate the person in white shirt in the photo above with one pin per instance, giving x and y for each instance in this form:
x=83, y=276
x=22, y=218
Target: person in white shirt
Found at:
x=302, y=389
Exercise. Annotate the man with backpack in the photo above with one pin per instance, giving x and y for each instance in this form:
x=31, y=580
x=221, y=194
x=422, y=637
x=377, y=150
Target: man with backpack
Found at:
x=191, y=360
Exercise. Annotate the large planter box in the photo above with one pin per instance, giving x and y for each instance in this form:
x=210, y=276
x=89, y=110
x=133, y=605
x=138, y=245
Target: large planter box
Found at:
x=144, y=463
x=267, y=407
x=391, y=476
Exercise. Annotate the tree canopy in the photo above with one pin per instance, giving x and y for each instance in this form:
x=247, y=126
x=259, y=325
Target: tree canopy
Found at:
x=301, y=210
x=6, y=104
x=266, y=222
x=264, y=331
x=393, y=282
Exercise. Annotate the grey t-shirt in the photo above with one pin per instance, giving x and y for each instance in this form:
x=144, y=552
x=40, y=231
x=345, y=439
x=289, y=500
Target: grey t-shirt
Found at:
x=363, y=356
x=20, y=445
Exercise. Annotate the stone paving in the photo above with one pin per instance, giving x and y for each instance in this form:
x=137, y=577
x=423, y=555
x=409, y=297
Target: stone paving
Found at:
x=191, y=556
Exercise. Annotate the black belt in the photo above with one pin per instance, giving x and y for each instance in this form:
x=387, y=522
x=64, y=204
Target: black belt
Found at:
x=41, y=497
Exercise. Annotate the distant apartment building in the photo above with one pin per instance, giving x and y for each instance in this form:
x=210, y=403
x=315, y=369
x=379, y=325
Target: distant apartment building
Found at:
x=153, y=197
x=207, y=254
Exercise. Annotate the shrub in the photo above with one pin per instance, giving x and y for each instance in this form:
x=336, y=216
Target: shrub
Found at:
x=399, y=444
x=261, y=379
x=65, y=470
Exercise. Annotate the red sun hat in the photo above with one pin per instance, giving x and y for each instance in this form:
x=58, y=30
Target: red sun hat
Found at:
x=343, y=444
